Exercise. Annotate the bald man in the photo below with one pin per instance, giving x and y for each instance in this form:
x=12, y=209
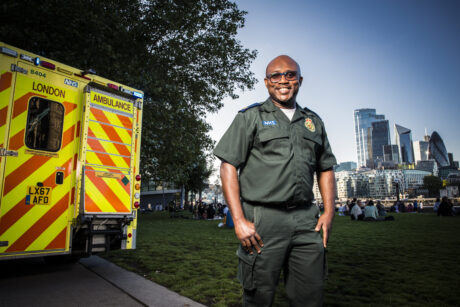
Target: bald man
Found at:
x=269, y=155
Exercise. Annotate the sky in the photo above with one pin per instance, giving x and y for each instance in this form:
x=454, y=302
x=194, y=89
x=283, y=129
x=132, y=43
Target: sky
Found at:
x=400, y=57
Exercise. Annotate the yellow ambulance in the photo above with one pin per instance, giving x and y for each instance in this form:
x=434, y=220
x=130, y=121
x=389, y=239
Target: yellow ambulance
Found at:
x=69, y=159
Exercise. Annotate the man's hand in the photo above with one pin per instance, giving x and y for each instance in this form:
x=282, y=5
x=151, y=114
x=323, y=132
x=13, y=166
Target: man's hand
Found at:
x=244, y=230
x=326, y=182
x=325, y=224
x=249, y=238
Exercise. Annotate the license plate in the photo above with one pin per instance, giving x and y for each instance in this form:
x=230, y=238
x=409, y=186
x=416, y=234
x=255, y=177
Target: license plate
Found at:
x=38, y=195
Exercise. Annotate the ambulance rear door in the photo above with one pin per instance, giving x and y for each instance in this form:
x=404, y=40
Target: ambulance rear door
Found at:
x=107, y=154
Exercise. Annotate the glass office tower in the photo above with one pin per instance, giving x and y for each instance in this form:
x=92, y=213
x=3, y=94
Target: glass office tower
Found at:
x=438, y=150
x=403, y=137
x=363, y=128
x=421, y=150
x=380, y=138
x=391, y=153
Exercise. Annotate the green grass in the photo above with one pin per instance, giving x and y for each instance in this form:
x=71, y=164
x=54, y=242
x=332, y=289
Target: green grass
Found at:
x=411, y=261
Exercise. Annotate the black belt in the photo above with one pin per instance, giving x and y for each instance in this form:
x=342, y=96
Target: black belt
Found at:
x=282, y=206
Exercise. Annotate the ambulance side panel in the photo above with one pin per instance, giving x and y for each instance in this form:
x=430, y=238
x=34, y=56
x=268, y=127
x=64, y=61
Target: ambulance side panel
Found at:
x=42, y=127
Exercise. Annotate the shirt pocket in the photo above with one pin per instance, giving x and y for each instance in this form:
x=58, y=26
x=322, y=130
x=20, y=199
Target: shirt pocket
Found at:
x=274, y=143
x=312, y=145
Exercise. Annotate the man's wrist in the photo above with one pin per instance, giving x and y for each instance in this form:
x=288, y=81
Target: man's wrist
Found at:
x=239, y=220
x=329, y=213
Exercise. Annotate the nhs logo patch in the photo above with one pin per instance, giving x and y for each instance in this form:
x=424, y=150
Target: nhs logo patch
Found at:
x=70, y=82
x=269, y=122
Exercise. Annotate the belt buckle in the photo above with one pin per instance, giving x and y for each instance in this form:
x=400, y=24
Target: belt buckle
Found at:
x=290, y=206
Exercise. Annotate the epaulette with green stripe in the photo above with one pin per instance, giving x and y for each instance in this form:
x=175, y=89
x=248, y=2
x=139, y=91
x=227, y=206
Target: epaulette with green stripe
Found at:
x=250, y=107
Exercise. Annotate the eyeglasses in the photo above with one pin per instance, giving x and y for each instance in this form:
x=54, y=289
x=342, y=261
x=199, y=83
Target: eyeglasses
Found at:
x=288, y=75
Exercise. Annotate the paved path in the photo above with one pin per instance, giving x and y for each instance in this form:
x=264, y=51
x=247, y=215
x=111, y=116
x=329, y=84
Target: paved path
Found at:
x=92, y=282
x=146, y=291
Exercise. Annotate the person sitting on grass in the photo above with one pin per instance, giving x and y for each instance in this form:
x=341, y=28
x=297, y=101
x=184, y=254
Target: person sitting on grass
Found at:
x=370, y=211
x=445, y=208
x=356, y=213
x=351, y=204
x=342, y=210
x=381, y=208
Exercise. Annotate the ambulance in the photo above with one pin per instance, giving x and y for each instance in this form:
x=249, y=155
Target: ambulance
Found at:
x=69, y=159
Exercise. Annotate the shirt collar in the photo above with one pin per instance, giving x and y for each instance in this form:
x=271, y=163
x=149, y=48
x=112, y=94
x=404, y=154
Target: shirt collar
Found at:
x=269, y=106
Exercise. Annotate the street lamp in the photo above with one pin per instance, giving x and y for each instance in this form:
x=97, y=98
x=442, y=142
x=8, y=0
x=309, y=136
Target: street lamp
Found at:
x=397, y=188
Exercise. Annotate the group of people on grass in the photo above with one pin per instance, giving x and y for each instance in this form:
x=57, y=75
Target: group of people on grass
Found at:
x=358, y=211
x=400, y=206
x=203, y=211
x=375, y=210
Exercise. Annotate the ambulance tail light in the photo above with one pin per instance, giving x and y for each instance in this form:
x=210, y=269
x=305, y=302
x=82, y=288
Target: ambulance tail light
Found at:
x=136, y=204
x=138, y=177
x=138, y=186
x=47, y=65
x=129, y=235
x=113, y=86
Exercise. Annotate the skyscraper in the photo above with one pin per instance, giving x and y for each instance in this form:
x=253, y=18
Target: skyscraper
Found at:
x=391, y=153
x=403, y=137
x=438, y=150
x=421, y=150
x=363, y=129
x=380, y=137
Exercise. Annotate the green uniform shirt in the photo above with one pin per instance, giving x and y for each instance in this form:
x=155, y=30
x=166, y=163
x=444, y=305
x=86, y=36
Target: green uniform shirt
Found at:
x=276, y=158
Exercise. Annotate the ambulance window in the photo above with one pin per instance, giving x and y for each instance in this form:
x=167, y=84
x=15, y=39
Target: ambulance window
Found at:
x=44, y=124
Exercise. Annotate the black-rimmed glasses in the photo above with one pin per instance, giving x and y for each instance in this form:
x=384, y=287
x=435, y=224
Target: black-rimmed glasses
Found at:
x=288, y=75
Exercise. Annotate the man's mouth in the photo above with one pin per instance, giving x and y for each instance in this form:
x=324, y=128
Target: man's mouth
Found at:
x=284, y=90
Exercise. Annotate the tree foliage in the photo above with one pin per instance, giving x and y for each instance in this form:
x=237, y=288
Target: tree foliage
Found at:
x=183, y=54
x=433, y=184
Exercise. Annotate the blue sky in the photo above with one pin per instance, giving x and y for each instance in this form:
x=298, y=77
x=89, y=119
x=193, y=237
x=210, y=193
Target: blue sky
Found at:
x=401, y=57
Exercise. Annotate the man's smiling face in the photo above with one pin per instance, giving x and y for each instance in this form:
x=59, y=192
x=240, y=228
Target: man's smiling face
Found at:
x=283, y=92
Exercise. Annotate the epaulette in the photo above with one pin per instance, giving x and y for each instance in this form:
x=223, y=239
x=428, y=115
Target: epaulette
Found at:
x=314, y=113
x=250, y=107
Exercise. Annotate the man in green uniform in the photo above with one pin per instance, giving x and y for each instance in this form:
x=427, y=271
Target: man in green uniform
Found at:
x=269, y=155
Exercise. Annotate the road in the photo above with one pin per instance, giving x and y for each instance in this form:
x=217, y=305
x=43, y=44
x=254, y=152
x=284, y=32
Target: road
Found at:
x=92, y=282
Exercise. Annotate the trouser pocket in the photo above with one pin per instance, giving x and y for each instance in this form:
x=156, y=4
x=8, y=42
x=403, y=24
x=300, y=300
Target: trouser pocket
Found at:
x=246, y=268
x=325, y=266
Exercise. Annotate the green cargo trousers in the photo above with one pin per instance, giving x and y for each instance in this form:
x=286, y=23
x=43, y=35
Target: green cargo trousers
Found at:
x=291, y=244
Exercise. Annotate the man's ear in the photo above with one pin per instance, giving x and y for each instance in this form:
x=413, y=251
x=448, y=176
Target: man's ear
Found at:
x=300, y=81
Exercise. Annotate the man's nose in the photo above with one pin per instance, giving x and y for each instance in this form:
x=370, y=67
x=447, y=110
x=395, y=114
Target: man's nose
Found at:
x=283, y=79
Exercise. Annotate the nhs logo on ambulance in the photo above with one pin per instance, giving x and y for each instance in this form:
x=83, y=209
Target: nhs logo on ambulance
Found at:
x=70, y=82
x=269, y=122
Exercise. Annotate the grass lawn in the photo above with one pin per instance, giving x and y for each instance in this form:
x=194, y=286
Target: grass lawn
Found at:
x=412, y=261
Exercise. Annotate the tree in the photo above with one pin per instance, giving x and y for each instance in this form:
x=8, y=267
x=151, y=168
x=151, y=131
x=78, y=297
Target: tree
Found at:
x=433, y=184
x=183, y=54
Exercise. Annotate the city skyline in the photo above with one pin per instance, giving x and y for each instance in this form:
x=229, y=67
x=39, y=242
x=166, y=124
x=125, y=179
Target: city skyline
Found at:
x=398, y=57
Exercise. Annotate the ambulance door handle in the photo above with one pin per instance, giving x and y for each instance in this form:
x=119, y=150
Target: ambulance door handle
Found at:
x=11, y=153
x=59, y=177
